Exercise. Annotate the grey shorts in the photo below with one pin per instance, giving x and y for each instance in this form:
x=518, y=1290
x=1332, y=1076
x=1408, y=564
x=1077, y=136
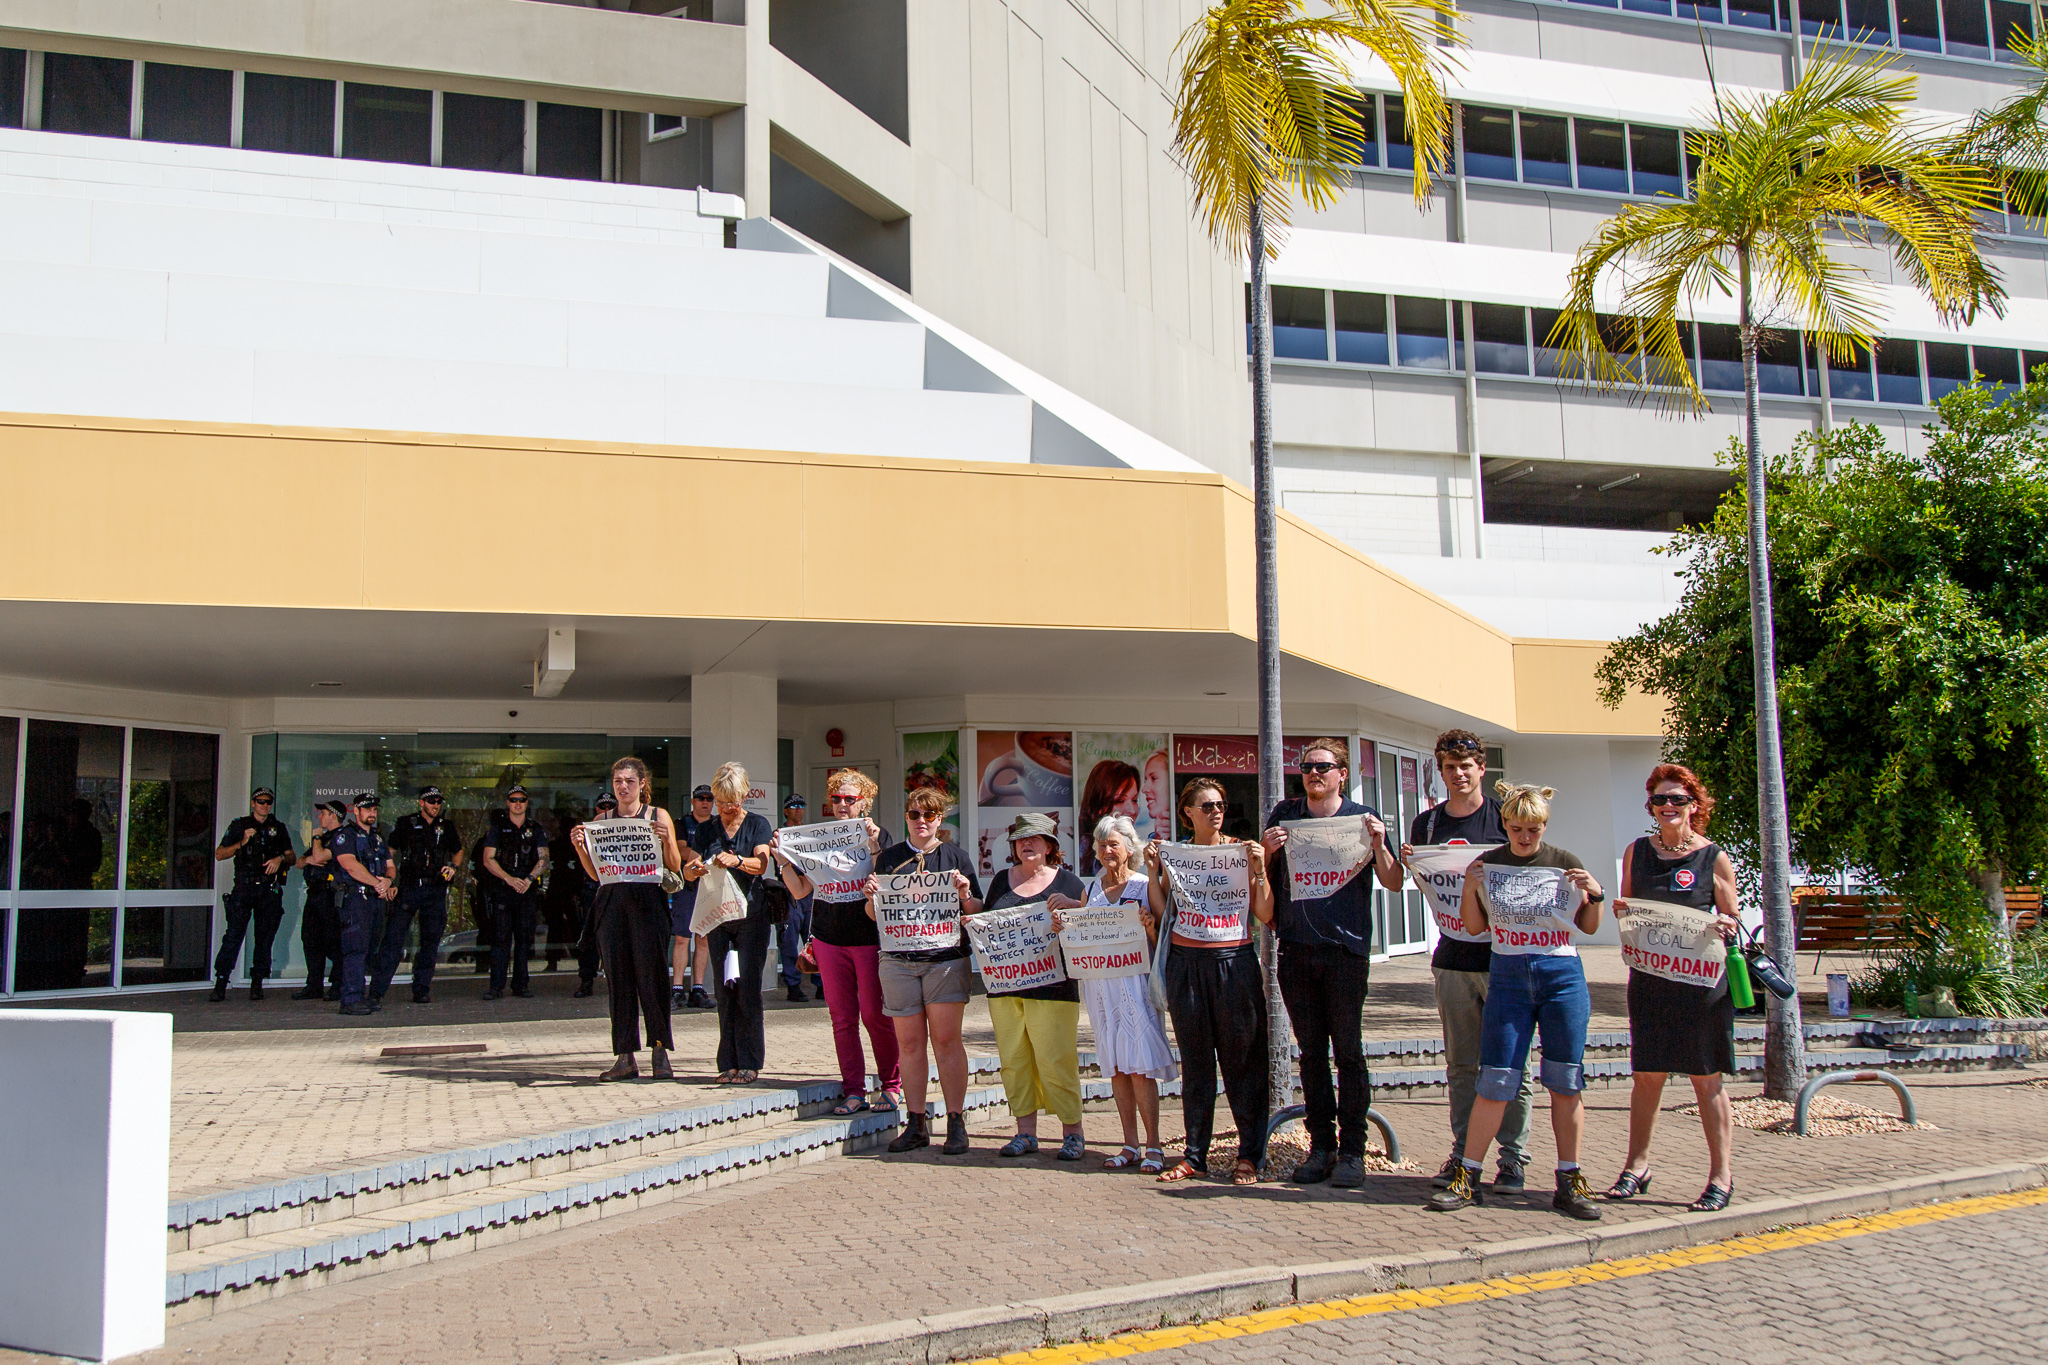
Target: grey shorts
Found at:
x=908, y=986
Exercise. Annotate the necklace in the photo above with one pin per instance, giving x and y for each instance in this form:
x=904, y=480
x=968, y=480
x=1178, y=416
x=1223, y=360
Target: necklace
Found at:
x=1681, y=848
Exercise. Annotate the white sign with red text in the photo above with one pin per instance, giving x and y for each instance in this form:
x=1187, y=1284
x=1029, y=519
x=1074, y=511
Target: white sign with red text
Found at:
x=916, y=912
x=1015, y=949
x=1675, y=942
x=1439, y=869
x=1531, y=909
x=1324, y=855
x=835, y=855
x=1103, y=941
x=623, y=850
x=1216, y=882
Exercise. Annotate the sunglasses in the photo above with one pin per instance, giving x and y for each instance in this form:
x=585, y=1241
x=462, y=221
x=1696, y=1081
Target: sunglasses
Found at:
x=510, y=801
x=262, y=801
x=918, y=817
x=1320, y=767
x=1212, y=807
x=430, y=801
x=1671, y=799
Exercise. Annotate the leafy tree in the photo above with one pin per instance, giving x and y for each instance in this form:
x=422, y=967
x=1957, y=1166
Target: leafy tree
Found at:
x=1911, y=597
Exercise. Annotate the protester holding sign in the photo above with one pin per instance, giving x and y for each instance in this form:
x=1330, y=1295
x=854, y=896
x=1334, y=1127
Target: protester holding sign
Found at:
x=1035, y=1025
x=631, y=911
x=831, y=862
x=924, y=963
x=1130, y=1041
x=1681, y=1016
x=737, y=839
x=1442, y=841
x=1215, y=990
x=1322, y=901
x=1533, y=896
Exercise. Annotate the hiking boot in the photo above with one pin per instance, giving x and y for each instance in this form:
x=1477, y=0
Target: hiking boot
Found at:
x=1461, y=1193
x=1350, y=1173
x=1442, y=1179
x=1574, y=1198
x=956, y=1135
x=1314, y=1168
x=1509, y=1177
x=917, y=1132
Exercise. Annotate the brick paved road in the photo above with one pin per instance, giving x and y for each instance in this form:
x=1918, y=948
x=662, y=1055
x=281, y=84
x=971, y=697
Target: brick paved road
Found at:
x=1964, y=1291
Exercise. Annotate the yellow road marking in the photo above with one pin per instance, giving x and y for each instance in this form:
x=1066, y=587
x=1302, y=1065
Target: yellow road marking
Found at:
x=1478, y=1291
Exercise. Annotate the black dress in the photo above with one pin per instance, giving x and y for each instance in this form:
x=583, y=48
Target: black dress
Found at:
x=1675, y=1026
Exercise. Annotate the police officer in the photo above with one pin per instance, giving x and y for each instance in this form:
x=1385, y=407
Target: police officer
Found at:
x=516, y=854
x=682, y=908
x=320, y=920
x=427, y=850
x=369, y=882
x=262, y=850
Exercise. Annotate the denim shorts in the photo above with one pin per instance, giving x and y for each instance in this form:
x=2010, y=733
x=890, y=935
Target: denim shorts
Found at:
x=1527, y=995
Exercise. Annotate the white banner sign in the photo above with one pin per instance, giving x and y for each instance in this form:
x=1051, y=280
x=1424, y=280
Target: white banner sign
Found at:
x=917, y=911
x=1324, y=855
x=834, y=855
x=1217, y=881
x=1675, y=942
x=1104, y=941
x=1531, y=909
x=1439, y=869
x=1014, y=948
x=623, y=850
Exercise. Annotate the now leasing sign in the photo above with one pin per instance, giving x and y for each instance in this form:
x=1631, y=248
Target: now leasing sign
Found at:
x=1215, y=882
x=1675, y=942
x=836, y=857
x=623, y=850
x=1015, y=949
x=917, y=911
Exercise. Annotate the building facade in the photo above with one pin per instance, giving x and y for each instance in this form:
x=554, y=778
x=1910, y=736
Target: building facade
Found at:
x=477, y=391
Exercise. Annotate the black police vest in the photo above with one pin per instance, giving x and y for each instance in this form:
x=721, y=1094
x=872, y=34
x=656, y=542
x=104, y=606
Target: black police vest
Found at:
x=321, y=877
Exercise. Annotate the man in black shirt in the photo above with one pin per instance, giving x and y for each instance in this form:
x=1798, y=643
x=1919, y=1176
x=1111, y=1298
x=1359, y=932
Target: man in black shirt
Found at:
x=427, y=850
x=516, y=855
x=690, y=955
x=262, y=850
x=320, y=919
x=1325, y=952
x=1463, y=963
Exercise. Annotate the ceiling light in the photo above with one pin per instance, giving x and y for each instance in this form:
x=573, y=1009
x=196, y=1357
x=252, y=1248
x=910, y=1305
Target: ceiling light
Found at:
x=326, y=684
x=1521, y=473
x=1215, y=694
x=1616, y=483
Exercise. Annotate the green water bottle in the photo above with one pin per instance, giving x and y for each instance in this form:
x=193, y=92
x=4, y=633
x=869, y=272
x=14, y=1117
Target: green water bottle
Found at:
x=1738, y=978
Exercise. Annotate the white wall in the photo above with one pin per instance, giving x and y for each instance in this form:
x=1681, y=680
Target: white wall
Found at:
x=1598, y=809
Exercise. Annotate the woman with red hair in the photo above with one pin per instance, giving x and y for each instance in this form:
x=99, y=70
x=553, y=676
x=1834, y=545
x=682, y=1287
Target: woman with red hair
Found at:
x=1676, y=1025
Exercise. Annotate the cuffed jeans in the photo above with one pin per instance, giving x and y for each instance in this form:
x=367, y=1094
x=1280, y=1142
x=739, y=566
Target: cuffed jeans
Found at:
x=1217, y=997
x=1532, y=994
x=1460, y=1006
x=1324, y=988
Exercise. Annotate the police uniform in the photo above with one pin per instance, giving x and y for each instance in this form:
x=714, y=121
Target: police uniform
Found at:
x=424, y=851
x=361, y=908
x=320, y=920
x=519, y=849
x=257, y=895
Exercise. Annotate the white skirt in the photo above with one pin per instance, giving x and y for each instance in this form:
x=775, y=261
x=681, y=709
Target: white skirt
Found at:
x=1128, y=1035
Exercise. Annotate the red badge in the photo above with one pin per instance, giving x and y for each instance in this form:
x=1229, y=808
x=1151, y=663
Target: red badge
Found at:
x=1683, y=878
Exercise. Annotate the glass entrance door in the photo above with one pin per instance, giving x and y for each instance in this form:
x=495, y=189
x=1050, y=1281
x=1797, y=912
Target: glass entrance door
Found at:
x=1401, y=920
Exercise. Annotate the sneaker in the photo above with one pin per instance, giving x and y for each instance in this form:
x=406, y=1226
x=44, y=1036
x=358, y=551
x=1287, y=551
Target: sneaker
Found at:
x=1462, y=1193
x=1574, y=1198
x=1509, y=1177
x=700, y=999
x=1314, y=1168
x=1442, y=1179
x=359, y=1007
x=1350, y=1173
x=678, y=999
x=917, y=1132
x=956, y=1135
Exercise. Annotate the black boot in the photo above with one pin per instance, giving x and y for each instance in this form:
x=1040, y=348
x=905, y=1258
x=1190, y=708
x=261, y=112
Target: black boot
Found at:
x=956, y=1135
x=917, y=1132
x=219, y=991
x=309, y=991
x=256, y=989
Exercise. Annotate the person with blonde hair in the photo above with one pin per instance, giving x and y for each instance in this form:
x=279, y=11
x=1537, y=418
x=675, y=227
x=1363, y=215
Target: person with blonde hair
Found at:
x=736, y=839
x=847, y=947
x=632, y=930
x=1537, y=985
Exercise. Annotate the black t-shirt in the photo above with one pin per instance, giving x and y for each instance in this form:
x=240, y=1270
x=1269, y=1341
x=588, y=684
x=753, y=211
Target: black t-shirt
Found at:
x=423, y=847
x=272, y=840
x=901, y=857
x=1342, y=919
x=710, y=838
x=1001, y=897
x=1438, y=826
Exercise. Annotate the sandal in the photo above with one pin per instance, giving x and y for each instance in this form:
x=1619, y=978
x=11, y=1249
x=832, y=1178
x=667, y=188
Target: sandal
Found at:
x=1180, y=1170
x=724, y=1078
x=1244, y=1173
x=1154, y=1162
x=1020, y=1145
x=848, y=1106
x=1123, y=1160
x=745, y=1077
x=1628, y=1185
x=1073, y=1147
x=1712, y=1199
x=888, y=1104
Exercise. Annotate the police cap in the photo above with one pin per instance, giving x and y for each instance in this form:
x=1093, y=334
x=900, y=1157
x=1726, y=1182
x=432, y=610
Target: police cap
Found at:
x=366, y=801
x=606, y=803
x=337, y=806
x=701, y=792
x=430, y=793
x=516, y=789
x=263, y=794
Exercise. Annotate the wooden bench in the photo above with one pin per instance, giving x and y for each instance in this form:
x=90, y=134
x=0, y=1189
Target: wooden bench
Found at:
x=1834, y=921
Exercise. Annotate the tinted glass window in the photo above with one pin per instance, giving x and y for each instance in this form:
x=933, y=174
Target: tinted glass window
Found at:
x=1818, y=15
x=1489, y=143
x=1750, y=13
x=2009, y=23
x=1720, y=357
x=1777, y=362
x=1870, y=21
x=1969, y=34
x=483, y=133
x=13, y=85
x=1898, y=372
x=1706, y=13
x=1919, y=25
x=1850, y=379
x=571, y=142
x=1647, y=6
x=1948, y=368
x=1400, y=151
x=86, y=94
x=1423, y=333
x=1298, y=324
x=171, y=810
x=2037, y=366
x=1361, y=328
x=1546, y=151
x=1364, y=141
x=193, y=104
x=1603, y=158
x=387, y=123
x=10, y=754
x=1997, y=364
x=1550, y=361
x=1500, y=332
x=1653, y=158
x=287, y=114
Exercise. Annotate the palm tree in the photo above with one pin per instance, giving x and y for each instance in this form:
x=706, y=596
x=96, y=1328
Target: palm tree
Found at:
x=1774, y=176
x=2011, y=138
x=1267, y=110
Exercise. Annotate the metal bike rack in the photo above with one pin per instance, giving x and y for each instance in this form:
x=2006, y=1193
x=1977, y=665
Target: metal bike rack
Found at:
x=1814, y=1086
x=1377, y=1119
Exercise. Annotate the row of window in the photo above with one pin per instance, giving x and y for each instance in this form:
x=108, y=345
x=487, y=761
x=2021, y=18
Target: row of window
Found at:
x=1581, y=153
x=1985, y=30
x=63, y=92
x=1429, y=334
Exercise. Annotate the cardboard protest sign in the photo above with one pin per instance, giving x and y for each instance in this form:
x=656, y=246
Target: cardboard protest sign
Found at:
x=1014, y=948
x=1102, y=941
x=1531, y=909
x=1439, y=869
x=917, y=911
x=834, y=855
x=1216, y=880
x=1675, y=942
x=1324, y=855
x=623, y=850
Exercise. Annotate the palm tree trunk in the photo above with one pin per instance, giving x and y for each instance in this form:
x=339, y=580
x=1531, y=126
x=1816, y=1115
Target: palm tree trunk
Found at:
x=1784, y=1035
x=1272, y=786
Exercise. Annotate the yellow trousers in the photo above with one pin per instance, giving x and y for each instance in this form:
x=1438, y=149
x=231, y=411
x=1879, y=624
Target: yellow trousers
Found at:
x=1041, y=1061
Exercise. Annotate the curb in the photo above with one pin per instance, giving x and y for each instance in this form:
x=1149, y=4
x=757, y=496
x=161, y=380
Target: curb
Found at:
x=1004, y=1328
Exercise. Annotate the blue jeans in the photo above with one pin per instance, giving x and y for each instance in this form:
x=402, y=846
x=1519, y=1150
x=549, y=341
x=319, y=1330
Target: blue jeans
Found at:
x=794, y=931
x=1527, y=995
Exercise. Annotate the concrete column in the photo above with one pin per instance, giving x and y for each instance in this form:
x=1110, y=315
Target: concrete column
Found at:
x=739, y=137
x=733, y=719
